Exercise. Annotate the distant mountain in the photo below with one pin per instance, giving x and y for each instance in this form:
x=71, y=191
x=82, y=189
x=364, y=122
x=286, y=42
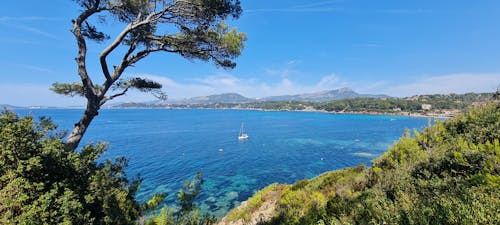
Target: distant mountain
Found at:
x=235, y=98
x=324, y=96
x=219, y=98
x=2, y=106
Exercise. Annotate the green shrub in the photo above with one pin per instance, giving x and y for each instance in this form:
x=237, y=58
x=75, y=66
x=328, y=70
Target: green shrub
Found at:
x=253, y=203
x=43, y=182
x=447, y=174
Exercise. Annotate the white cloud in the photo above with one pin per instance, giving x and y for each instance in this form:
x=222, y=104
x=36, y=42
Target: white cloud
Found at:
x=404, y=11
x=293, y=62
x=34, y=95
x=27, y=18
x=453, y=83
x=333, y=6
x=368, y=45
x=34, y=30
x=225, y=83
x=316, y=9
x=219, y=80
x=281, y=72
x=369, y=87
x=11, y=22
x=328, y=82
x=319, y=4
x=34, y=68
x=28, y=94
x=284, y=70
x=17, y=41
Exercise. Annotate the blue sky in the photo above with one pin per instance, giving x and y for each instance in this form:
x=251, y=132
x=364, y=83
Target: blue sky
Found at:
x=399, y=48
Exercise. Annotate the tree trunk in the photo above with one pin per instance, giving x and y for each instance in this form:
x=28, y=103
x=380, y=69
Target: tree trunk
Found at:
x=76, y=135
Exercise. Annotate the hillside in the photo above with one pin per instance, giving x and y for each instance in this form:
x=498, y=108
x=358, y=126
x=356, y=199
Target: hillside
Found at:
x=409, y=104
x=324, y=96
x=235, y=98
x=447, y=174
x=220, y=98
x=439, y=105
x=5, y=106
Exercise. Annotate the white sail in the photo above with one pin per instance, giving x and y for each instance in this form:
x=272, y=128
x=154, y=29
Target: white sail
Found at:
x=242, y=135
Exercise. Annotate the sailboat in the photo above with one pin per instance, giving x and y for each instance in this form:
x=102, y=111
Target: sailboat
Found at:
x=241, y=135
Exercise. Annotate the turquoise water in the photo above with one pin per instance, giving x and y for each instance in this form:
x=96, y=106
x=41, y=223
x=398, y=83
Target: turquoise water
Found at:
x=167, y=147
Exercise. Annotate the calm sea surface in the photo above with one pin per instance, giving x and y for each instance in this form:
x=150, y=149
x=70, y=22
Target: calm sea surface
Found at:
x=167, y=147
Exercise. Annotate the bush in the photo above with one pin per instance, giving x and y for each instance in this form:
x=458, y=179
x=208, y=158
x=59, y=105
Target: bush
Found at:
x=43, y=182
x=447, y=174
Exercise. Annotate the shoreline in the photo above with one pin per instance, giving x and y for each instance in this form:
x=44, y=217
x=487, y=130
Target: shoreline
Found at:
x=372, y=113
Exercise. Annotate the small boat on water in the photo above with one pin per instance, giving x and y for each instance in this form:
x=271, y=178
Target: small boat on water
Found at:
x=242, y=135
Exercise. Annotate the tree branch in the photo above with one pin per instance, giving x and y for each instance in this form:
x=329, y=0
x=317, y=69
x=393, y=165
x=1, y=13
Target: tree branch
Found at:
x=108, y=98
x=197, y=35
x=131, y=26
x=82, y=48
x=110, y=48
x=110, y=79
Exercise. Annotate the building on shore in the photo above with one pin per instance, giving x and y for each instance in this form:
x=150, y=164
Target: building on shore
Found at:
x=426, y=106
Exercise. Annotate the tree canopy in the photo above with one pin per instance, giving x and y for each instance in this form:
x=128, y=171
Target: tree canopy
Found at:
x=44, y=182
x=193, y=29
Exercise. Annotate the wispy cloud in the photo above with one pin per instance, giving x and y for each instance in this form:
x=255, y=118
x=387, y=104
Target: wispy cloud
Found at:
x=28, y=94
x=404, y=11
x=225, y=83
x=34, y=68
x=19, y=23
x=328, y=82
x=444, y=84
x=33, y=30
x=296, y=10
x=293, y=62
x=18, y=41
x=284, y=70
x=251, y=87
x=322, y=6
x=370, y=87
x=321, y=3
x=34, y=95
x=222, y=79
x=333, y=6
x=367, y=45
x=27, y=18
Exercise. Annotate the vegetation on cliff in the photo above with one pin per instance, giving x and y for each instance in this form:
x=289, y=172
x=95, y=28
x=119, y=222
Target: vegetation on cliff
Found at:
x=409, y=104
x=42, y=181
x=447, y=174
x=437, y=102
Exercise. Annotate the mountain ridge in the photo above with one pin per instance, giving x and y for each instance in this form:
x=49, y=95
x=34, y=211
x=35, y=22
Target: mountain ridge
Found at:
x=324, y=96
x=232, y=97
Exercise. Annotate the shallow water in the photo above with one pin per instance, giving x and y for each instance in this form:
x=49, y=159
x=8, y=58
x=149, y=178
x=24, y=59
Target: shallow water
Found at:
x=169, y=146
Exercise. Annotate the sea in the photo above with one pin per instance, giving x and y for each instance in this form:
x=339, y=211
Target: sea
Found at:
x=166, y=147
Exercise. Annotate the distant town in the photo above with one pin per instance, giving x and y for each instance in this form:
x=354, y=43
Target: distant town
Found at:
x=343, y=100
x=335, y=101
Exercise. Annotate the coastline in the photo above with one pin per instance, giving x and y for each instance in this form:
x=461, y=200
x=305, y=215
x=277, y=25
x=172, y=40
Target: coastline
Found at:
x=373, y=113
